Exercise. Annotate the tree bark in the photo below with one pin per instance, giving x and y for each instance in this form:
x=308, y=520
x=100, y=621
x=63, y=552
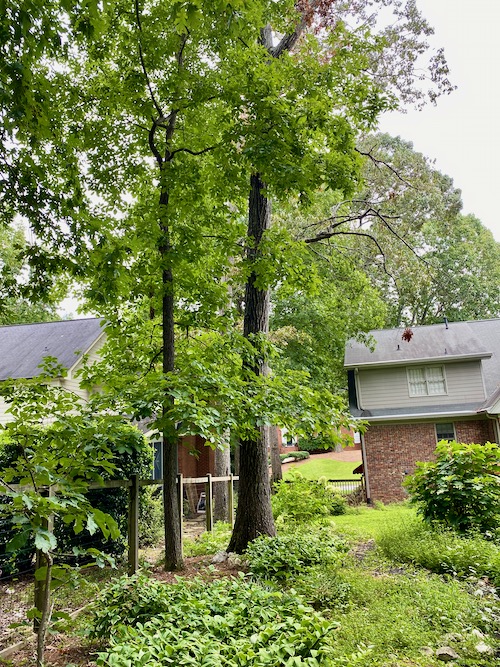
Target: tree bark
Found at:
x=171, y=509
x=274, y=449
x=254, y=515
x=222, y=469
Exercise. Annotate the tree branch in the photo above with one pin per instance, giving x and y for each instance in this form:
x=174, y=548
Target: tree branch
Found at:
x=188, y=150
x=379, y=162
x=143, y=64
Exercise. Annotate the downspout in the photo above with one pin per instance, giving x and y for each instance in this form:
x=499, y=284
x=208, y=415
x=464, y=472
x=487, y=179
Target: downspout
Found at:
x=365, y=469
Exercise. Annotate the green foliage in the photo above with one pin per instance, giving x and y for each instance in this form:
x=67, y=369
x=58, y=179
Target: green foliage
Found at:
x=317, y=444
x=209, y=542
x=150, y=515
x=230, y=622
x=298, y=456
x=395, y=614
x=301, y=500
x=324, y=587
x=18, y=305
x=461, y=488
x=289, y=555
x=441, y=551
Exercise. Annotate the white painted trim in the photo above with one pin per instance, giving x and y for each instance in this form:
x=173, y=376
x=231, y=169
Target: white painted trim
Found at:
x=97, y=340
x=423, y=415
x=420, y=361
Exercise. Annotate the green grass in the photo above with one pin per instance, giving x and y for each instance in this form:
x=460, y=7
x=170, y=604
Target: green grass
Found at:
x=364, y=523
x=317, y=468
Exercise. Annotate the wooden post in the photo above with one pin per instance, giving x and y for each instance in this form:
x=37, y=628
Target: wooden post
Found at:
x=133, y=525
x=180, y=498
x=230, y=500
x=39, y=586
x=209, y=506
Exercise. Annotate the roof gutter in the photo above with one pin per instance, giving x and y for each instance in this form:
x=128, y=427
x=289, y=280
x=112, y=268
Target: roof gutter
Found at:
x=423, y=415
x=420, y=361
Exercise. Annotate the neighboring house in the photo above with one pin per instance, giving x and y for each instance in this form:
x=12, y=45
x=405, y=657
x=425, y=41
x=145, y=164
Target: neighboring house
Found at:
x=23, y=348
x=442, y=384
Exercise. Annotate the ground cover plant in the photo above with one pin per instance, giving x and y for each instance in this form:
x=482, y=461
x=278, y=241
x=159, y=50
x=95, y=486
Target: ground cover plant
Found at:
x=292, y=554
x=344, y=583
x=442, y=551
x=228, y=622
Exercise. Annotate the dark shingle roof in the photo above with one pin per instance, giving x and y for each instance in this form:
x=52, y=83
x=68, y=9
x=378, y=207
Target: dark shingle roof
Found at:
x=23, y=346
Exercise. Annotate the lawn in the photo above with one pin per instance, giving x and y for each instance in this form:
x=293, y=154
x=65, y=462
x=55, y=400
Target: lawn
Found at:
x=328, y=468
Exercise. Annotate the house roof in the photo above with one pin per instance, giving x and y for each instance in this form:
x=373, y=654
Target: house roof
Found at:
x=24, y=346
x=438, y=343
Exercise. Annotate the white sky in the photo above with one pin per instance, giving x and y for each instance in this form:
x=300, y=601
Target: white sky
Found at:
x=462, y=133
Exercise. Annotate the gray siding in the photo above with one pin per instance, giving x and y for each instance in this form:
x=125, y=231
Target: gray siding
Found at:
x=388, y=387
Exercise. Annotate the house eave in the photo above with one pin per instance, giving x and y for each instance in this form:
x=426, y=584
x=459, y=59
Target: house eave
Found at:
x=420, y=361
x=418, y=416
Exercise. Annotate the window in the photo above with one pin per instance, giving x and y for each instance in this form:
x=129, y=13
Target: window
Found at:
x=426, y=381
x=445, y=431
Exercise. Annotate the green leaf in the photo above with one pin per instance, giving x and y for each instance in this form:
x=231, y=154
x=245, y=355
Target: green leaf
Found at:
x=44, y=540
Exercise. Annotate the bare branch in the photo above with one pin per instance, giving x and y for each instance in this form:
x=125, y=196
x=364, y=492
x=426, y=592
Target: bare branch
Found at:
x=379, y=162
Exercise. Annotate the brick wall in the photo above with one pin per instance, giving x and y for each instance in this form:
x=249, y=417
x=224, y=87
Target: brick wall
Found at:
x=393, y=449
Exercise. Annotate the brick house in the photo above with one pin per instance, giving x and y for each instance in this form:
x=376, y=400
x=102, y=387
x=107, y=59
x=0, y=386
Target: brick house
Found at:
x=442, y=383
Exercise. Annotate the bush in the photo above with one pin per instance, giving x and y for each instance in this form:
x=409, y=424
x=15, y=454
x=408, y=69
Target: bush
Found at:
x=302, y=500
x=319, y=443
x=229, y=622
x=461, y=488
x=134, y=457
x=288, y=555
x=441, y=551
x=299, y=456
x=150, y=516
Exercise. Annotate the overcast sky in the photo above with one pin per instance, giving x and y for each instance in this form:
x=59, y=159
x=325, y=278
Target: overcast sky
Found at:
x=462, y=133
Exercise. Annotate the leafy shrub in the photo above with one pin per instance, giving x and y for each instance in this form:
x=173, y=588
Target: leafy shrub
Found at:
x=209, y=543
x=134, y=456
x=319, y=443
x=441, y=551
x=287, y=555
x=302, y=501
x=150, y=516
x=229, y=622
x=298, y=456
x=461, y=488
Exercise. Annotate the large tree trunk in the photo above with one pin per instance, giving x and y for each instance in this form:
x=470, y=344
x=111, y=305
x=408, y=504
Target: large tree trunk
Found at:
x=254, y=515
x=222, y=469
x=171, y=509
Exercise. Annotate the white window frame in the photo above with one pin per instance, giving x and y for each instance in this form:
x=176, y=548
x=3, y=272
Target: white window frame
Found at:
x=426, y=380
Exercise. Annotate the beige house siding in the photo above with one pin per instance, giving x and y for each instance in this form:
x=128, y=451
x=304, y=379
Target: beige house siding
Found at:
x=65, y=383
x=388, y=387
